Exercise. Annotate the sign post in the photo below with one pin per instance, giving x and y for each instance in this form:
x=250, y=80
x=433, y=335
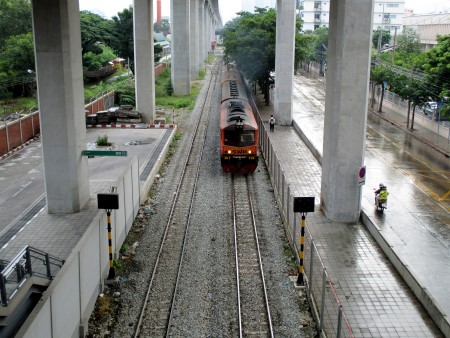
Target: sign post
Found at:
x=109, y=202
x=303, y=205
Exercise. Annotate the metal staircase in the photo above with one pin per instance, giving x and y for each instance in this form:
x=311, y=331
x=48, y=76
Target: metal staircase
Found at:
x=22, y=282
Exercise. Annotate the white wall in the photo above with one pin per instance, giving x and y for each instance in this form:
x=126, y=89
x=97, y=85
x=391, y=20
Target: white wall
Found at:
x=67, y=304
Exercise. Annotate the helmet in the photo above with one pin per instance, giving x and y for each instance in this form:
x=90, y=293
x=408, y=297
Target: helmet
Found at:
x=382, y=186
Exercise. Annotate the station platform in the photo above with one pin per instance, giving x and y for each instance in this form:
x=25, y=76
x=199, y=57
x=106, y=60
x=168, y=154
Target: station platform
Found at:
x=382, y=266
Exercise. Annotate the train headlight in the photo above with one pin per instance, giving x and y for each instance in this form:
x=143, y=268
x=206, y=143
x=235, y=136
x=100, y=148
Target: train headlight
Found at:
x=249, y=151
x=229, y=151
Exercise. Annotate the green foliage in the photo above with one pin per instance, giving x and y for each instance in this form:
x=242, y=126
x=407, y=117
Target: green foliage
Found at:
x=408, y=41
x=92, y=61
x=95, y=31
x=17, y=56
x=158, y=50
x=250, y=41
x=169, y=88
x=125, y=93
x=163, y=27
x=15, y=19
x=122, y=32
x=436, y=63
x=102, y=141
x=385, y=37
x=314, y=45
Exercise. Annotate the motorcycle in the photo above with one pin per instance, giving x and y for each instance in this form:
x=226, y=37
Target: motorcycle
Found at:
x=380, y=204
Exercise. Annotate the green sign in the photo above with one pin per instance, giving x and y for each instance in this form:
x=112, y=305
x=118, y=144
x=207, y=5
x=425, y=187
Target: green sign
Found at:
x=103, y=153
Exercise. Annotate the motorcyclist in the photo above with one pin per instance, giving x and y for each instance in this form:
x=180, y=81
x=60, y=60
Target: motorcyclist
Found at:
x=381, y=195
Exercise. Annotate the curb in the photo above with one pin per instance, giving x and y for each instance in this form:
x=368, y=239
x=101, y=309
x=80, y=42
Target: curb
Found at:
x=422, y=294
x=409, y=132
x=17, y=149
x=135, y=126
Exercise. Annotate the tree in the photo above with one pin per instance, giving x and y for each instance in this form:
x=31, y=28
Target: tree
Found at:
x=157, y=55
x=436, y=64
x=17, y=61
x=15, y=19
x=315, y=46
x=123, y=33
x=408, y=41
x=385, y=37
x=165, y=26
x=379, y=75
x=95, y=30
x=93, y=61
x=17, y=57
x=249, y=40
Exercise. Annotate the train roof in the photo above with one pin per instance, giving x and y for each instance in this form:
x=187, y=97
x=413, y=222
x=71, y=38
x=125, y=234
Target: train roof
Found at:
x=237, y=111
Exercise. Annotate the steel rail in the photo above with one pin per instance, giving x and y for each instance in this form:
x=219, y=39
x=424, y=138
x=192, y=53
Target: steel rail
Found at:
x=260, y=265
x=171, y=214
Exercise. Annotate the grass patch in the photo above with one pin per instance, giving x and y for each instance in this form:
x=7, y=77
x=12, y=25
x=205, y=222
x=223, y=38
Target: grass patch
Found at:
x=102, y=141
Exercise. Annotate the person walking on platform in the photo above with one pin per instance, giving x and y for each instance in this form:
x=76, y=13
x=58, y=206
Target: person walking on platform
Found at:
x=272, y=122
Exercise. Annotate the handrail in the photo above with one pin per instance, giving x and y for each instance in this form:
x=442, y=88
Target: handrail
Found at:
x=27, y=263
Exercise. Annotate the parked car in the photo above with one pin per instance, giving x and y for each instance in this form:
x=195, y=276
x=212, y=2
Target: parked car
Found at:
x=429, y=108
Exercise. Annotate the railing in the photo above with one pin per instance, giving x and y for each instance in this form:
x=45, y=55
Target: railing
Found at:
x=328, y=311
x=29, y=262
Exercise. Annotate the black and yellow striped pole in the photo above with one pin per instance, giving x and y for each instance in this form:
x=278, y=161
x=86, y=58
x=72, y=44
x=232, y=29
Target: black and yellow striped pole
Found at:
x=302, y=205
x=109, y=202
x=300, y=280
x=111, y=273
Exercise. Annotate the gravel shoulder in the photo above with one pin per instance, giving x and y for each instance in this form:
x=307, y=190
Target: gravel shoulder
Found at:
x=206, y=297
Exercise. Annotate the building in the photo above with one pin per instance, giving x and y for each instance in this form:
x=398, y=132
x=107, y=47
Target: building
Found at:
x=429, y=26
x=249, y=5
x=386, y=14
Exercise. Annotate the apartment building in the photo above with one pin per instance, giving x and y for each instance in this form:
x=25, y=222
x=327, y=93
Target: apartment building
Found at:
x=386, y=14
x=249, y=5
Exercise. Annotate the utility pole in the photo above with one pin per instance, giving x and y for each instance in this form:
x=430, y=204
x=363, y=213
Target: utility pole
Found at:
x=393, y=46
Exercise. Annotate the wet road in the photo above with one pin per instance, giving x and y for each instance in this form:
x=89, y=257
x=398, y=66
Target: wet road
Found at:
x=417, y=177
x=22, y=182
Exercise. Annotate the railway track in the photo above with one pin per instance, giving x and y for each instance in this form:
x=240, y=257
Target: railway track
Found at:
x=159, y=303
x=253, y=304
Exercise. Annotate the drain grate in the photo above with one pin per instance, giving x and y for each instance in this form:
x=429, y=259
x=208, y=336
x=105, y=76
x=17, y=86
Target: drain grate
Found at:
x=151, y=162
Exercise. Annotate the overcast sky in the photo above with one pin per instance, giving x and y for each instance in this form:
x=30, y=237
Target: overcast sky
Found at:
x=228, y=8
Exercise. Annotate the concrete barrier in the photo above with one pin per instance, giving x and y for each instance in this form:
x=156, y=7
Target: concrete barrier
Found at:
x=65, y=307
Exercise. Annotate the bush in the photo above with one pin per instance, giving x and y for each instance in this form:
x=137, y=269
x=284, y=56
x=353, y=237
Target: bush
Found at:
x=102, y=141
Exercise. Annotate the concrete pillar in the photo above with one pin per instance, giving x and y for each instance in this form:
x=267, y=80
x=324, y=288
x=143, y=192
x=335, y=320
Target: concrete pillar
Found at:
x=345, y=122
x=194, y=38
x=205, y=30
x=144, y=65
x=284, y=62
x=201, y=29
x=57, y=41
x=181, y=67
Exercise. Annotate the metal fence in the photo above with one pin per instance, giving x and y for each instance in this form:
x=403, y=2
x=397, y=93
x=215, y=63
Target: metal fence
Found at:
x=327, y=309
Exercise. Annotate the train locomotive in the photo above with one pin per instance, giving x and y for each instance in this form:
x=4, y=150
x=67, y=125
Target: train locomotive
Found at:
x=238, y=127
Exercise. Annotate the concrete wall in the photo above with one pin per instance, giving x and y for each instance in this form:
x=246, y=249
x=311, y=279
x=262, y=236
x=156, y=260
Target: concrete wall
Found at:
x=66, y=306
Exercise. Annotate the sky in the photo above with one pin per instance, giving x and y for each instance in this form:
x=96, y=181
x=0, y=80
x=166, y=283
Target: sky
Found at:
x=109, y=8
x=228, y=8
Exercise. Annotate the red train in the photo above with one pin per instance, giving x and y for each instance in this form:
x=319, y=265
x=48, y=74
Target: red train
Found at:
x=238, y=128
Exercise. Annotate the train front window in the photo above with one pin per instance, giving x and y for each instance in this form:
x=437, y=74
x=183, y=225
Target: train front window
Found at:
x=239, y=138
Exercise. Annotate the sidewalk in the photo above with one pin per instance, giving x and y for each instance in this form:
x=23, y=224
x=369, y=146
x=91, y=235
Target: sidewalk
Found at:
x=390, y=112
x=376, y=300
